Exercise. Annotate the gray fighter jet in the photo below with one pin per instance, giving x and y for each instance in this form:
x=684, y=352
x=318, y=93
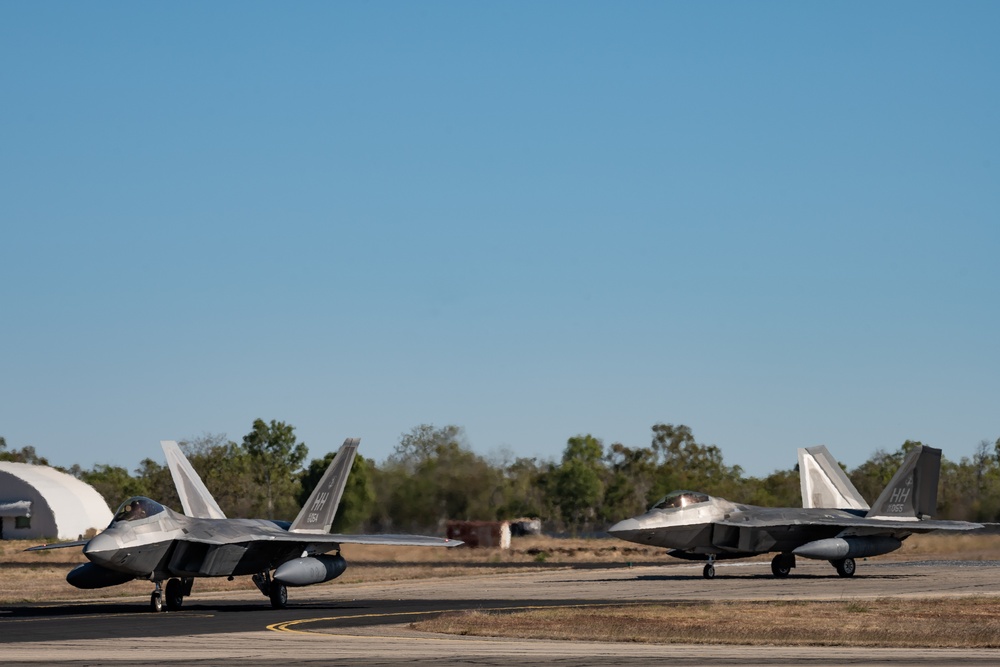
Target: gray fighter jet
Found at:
x=834, y=524
x=149, y=541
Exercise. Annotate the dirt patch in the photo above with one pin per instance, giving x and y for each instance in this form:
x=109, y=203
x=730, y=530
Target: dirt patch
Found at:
x=966, y=623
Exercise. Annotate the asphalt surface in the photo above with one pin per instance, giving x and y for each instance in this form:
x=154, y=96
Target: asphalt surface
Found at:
x=114, y=621
x=368, y=623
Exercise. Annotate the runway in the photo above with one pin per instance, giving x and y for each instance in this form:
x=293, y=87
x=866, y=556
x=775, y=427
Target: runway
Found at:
x=368, y=623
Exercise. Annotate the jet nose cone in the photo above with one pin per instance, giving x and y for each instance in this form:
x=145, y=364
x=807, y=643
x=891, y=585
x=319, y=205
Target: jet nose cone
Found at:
x=625, y=527
x=100, y=547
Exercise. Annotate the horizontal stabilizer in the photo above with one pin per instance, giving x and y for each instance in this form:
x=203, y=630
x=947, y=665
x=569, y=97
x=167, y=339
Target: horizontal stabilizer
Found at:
x=824, y=483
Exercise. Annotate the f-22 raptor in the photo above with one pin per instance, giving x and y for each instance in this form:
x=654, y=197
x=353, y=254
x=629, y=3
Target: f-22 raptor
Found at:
x=834, y=524
x=149, y=541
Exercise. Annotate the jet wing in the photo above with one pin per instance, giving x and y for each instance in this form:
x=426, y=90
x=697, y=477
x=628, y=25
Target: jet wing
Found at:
x=397, y=540
x=921, y=526
x=59, y=545
x=246, y=552
x=332, y=539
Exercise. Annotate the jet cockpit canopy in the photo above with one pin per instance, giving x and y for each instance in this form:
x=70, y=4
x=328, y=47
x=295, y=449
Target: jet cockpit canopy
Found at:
x=679, y=499
x=137, y=508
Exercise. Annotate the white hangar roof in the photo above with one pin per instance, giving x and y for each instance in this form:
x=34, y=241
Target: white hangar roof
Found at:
x=73, y=505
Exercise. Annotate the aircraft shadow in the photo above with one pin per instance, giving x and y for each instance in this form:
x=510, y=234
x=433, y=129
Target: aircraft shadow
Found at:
x=732, y=577
x=529, y=565
x=769, y=577
x=190, y=607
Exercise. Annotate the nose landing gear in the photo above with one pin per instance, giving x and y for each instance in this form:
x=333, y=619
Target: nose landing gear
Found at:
x=156, y=599
x=172, y=597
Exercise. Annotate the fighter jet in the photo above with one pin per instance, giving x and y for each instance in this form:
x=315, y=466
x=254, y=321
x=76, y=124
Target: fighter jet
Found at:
x=149, y=541
x=834, y=524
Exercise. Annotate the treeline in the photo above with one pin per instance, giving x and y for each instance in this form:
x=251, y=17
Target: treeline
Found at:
x=433, y=475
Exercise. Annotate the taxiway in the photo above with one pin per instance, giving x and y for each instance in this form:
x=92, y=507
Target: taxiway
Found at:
x=369, y=623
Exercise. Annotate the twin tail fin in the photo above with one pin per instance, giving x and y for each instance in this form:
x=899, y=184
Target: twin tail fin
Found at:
x=317, y=514
x=911, y=494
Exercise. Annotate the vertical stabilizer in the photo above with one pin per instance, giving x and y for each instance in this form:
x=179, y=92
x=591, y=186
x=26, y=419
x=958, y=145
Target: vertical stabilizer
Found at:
x=824, y=483
x=195, y=498
x=317, y=514
x=912, y=492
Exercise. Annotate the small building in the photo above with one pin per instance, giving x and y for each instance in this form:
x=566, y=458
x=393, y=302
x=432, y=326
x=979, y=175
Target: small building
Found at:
x=42, y=502
x=490, y=534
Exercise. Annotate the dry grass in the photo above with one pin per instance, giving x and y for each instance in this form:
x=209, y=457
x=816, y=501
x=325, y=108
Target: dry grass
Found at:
x=41, y=575
x=950, y=547
x=967, y=623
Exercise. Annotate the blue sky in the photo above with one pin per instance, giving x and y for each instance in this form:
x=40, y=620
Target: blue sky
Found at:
x=776, y=223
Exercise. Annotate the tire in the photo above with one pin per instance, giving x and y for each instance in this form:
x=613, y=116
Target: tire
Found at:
x=781, y=565
x=156, y=603
x=709, y=571
x=174, y=594
x=846, y=567
x=279, y=595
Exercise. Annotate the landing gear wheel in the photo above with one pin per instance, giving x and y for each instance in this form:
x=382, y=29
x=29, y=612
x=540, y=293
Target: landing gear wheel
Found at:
x=174, y=594
x=782, y=564
x=156, y=602
x=278, y=595
x=846, y=567
x=709, y=571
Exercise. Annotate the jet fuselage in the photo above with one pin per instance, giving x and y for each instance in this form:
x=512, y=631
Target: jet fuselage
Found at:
x=167, y=544
x=696, y=530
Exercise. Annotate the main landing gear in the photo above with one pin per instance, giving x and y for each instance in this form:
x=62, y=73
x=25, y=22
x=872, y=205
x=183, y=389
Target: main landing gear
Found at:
x=173, y=597
x=709, y=571
x=782, y=564
x=845, y=567
x=276, y=591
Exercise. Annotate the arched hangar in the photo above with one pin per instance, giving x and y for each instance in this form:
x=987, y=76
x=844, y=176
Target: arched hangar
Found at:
x=42, y=502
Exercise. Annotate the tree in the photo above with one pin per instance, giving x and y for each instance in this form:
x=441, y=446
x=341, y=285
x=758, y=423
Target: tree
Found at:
x=424, y=443
x=779, y=489
x=521, y=491
x=631, y=483
x=275, y=456
x=114, y=483
x=685, y=464
x=970, y=489
x=433, y=476
x=872, y=476
x=157, y=483
x=26, y=454
x=226, y=469
x=577, y=482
